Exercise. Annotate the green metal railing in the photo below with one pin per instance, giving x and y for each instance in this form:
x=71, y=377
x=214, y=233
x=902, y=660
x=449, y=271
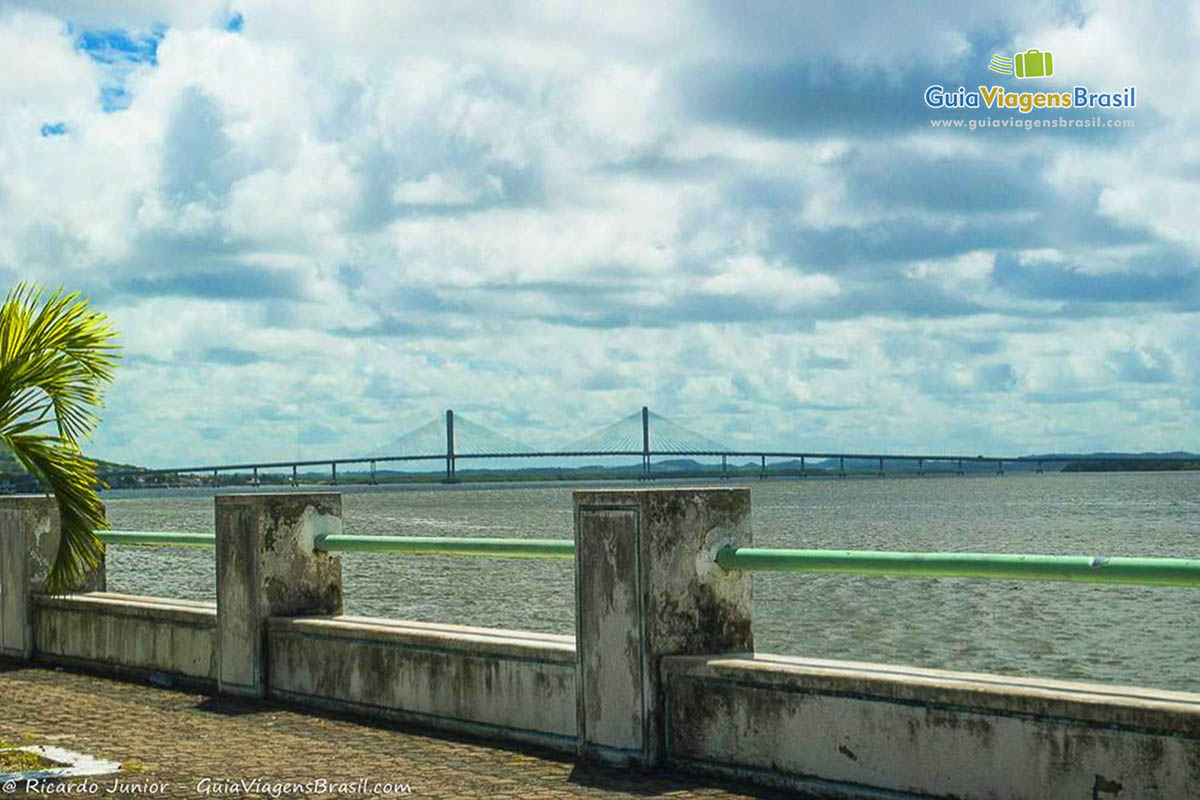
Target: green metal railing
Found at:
x=999, y=566
x=448, y=546
x=348, y=543
x=996, y=566
x=157, y=538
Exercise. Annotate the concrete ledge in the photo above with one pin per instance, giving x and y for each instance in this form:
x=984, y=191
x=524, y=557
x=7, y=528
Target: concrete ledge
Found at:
x=128, y=634
x=513, y=685
x=854, y=729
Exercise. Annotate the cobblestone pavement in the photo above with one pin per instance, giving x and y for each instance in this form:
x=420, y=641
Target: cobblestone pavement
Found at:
x=170, y=742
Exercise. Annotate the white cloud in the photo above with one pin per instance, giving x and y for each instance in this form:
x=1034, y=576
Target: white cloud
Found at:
x=769, y=284
x=373, y=211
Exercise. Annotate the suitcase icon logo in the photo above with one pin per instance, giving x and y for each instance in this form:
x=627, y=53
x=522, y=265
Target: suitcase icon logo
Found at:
x=1030, y=64
x=1034, y=64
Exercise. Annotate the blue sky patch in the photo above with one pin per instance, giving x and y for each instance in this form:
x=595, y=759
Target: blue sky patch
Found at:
x=119, y=52
x=115, y=46
x=57, y=129
x=114, y=98
x=235, y=23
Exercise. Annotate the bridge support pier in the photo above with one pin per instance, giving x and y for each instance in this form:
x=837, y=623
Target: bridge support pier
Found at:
x=645, y=443
x=881, y=466
x=215, y=482
x=451, y=477
x=333, y=472
x=920, y=467
x=762, y=472
x=374, y=482
x=295, y=477
x=841, y=466
x=724, y=468
x=803, y=468
x=254, y=479
x=1039, y=468
x=960, y=467
x=999, y=467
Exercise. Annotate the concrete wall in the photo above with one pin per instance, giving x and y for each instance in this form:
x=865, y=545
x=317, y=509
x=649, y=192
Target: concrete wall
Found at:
x=126, y=633
x=647, y=585
x=29, y=532
x=644, y=686
x=507, y=684
x=851, y=730
x=267, y=566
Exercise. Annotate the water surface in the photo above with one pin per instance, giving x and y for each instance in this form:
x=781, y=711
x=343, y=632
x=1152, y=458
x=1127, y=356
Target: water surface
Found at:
x=1115, y=634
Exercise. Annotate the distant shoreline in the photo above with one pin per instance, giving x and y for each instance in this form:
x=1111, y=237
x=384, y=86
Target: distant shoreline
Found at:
x=1147, y=465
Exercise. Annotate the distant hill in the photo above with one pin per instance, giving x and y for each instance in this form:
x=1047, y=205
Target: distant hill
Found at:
x=1177, y=455
x=9, y=466
x=1172, y=461
x=15, y=478
x=1138, y=465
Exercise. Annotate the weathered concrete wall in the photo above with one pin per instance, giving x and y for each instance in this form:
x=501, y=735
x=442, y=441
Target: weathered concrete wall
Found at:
x=266, y=566
x=127, y=633
x=642, y=686
x=29, y=534
x=508, y=684
x=647, y=585
x=848, y=729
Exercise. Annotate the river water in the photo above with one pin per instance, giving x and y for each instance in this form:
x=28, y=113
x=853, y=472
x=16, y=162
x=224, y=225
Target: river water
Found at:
x=1113, y=634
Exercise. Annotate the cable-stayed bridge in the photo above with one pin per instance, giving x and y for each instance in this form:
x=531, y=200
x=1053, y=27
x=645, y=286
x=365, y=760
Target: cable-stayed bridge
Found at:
x=645, y=435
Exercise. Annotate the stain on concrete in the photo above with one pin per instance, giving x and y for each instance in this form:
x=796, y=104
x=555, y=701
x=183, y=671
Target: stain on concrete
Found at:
x=1103, y=785
x=654, y=548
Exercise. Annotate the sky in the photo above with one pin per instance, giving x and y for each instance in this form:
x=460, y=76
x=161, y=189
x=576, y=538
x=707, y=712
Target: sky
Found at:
x=318, y=225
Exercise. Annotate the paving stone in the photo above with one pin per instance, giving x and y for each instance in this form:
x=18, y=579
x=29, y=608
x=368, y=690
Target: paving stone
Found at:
x=181, y=739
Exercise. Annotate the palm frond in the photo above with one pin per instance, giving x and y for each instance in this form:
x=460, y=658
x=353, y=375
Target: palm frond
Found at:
x=56, y=356
x=72, y=478
x=63, y=349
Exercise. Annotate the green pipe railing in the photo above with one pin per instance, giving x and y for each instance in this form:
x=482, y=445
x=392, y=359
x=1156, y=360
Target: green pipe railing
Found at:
x=1083, y=569
x=159, y=538
x=996, y=566
x=348, y=543
x=448, y=546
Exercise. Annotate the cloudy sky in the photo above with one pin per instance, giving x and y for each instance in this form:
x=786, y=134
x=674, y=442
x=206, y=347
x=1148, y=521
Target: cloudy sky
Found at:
x=318, y=225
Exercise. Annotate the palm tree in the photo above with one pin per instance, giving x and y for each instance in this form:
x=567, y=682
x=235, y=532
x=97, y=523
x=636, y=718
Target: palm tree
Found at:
x=56, y=356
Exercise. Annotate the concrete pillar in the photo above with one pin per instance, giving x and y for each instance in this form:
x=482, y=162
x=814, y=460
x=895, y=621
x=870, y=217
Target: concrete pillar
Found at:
x=450, y=476
x=646, y=442
x=647, y=585
x=267, y=567
x=29, y=534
